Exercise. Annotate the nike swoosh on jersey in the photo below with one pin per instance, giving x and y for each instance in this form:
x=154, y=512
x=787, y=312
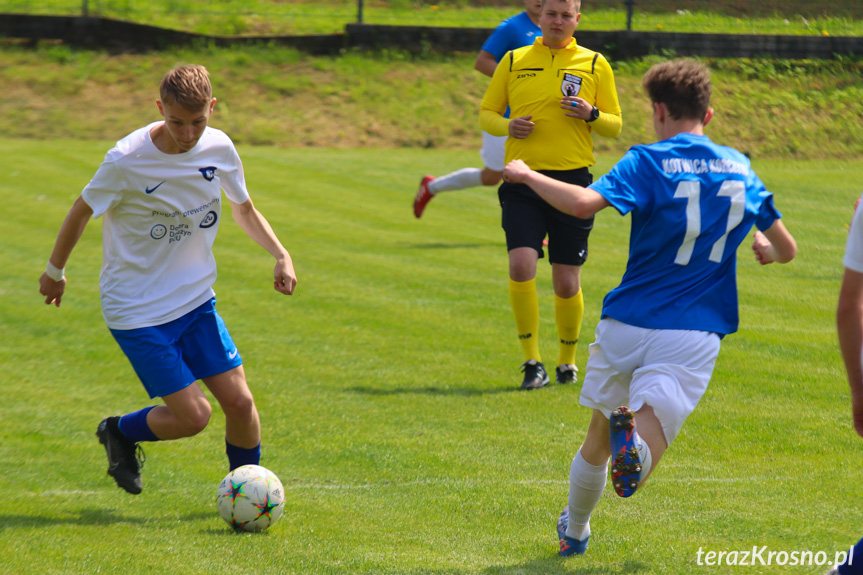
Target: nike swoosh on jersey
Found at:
x=151, y=190
x=232, y=354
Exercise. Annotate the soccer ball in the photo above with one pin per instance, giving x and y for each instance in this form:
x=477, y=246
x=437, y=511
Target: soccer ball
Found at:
x=251, y=498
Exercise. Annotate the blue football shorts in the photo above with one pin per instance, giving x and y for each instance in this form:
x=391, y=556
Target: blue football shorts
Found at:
x=172, y=356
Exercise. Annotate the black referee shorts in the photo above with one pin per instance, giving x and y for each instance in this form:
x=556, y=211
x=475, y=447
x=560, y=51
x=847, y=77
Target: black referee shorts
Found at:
x=527, y=218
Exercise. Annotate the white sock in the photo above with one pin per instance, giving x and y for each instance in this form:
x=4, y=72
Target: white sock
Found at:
x=464, y=178
x=646, y=457
x=586, y=483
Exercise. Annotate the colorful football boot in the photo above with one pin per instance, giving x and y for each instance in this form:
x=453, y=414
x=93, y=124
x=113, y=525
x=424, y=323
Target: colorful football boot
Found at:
x=625, y=457
x=568, y=545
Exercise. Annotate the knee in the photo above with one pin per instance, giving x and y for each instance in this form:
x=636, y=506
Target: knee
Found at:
x=566, y=288
x=522, y=264
x=197, y=418
x=240, y=406
x=566, y=281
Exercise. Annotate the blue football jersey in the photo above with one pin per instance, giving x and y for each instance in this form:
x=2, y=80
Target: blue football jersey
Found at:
x=693, y=203
x=515, y=32
x=511, y=34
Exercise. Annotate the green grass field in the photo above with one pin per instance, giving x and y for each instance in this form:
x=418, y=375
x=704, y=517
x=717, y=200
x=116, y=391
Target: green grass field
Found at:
x=386, y=387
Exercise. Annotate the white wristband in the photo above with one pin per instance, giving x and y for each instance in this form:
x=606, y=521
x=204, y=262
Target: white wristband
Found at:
x=54, y=272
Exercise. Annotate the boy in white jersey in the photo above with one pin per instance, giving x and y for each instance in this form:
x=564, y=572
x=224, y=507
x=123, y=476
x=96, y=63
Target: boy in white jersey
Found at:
x=692, y=204
x=160, y=189
x=849, y=325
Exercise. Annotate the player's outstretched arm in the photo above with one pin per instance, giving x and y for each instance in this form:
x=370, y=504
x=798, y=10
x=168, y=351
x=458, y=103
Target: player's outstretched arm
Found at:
x=849, y=323
x=568, y=198
x=258, y=228
x=774, y=245
x=70, y=232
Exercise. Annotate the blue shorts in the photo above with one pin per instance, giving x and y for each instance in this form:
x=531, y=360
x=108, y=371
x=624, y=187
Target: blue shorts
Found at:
x=171, y=356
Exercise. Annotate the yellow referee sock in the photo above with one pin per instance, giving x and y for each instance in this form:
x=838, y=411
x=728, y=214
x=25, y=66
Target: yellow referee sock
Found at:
x=525, y=307
x=568, y=313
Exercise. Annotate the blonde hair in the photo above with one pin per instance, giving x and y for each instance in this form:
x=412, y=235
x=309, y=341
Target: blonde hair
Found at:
x=187, y=86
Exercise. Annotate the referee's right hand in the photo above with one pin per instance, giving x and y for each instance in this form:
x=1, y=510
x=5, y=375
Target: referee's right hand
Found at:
x=521, y=127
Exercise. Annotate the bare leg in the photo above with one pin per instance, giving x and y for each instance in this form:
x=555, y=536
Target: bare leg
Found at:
x=185, y=413
x=650, y=430
x=242, y=424
x=490, y=177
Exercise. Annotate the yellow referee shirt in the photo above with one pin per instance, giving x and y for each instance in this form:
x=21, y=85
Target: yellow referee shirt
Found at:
x=532, y=81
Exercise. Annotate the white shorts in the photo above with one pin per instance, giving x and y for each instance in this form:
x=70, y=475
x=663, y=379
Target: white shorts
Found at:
x=493, y=152
x=667, y=369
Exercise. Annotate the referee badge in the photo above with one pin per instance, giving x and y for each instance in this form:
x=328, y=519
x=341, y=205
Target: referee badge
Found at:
x=571, y=85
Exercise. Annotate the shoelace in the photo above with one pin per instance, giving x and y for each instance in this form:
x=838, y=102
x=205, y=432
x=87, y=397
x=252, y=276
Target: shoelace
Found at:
x=140, y=456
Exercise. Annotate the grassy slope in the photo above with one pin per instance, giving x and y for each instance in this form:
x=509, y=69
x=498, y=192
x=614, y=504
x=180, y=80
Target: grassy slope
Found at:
x=267, y=17
x=280, y=97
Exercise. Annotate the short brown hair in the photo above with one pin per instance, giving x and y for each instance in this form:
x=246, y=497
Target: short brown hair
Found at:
x=682, y=85
x=188, y=86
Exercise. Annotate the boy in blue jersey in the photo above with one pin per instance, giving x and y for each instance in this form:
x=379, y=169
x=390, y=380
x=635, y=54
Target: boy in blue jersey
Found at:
x=515, y=32
x=692, y=203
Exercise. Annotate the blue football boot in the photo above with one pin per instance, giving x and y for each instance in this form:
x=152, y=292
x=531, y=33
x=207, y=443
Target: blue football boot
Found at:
x=568, y=545
x=625, y=458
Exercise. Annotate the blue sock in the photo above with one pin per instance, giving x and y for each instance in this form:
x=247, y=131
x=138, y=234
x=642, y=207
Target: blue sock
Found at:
x=239, y=456
x=134, y=426
x=855, y=567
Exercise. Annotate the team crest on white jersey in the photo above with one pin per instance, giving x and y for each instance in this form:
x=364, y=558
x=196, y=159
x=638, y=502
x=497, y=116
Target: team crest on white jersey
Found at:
x=209, y=173
x=571, y=85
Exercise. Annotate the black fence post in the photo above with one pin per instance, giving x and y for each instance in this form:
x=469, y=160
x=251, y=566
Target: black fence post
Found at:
x=85, y=9
x=359, y=11
x=629, y=6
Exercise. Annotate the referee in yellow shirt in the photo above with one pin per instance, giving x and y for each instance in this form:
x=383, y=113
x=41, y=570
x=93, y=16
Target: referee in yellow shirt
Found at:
x=559, y=94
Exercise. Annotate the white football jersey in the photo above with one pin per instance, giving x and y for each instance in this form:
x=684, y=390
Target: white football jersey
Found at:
x=853, y=259
x=162, y=213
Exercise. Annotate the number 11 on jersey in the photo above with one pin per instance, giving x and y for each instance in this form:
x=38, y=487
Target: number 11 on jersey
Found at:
x=691, y=192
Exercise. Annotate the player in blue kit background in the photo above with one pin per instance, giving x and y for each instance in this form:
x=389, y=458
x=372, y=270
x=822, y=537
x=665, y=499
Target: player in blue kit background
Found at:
x=515, y=32
x=160, y=190
x=692, y=204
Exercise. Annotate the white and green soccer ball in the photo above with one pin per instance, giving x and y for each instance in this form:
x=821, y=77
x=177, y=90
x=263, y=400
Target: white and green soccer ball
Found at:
x=251, y=498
